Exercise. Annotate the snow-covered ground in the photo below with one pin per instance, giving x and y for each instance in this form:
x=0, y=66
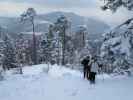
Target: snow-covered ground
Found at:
x=63, y=84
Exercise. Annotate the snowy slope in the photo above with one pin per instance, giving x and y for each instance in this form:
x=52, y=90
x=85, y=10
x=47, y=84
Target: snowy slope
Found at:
x=63, y=84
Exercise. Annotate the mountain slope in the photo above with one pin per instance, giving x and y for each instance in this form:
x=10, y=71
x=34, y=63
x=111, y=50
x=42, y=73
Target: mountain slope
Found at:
x=43, y=21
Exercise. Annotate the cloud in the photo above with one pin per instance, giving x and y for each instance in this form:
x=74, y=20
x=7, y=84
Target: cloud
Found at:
x=113, y=19
x=16, y=8
x=56, y=3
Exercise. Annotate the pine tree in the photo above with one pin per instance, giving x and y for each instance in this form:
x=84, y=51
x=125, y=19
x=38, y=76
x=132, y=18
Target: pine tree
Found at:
x=43, y=50
x=115, y=4
x=1, y=73
x=61, y=26
x=20, y=49
x=48, y=47
x=81, y=43
x=30, y=16
x=117, y=46
x=9, y=59
x=28, y=52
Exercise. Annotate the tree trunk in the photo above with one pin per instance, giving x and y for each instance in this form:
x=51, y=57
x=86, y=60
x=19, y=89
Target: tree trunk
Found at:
x=58, y=58
x=63, y=46
x=20, y=69
x=34, y=45
x=83, y=39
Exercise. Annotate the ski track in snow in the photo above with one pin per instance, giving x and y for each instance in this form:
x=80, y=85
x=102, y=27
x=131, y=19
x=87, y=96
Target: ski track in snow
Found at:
x=68, y=85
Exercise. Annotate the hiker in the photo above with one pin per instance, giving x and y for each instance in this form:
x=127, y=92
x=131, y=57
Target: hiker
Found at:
x=86, y=69
x=93, y=70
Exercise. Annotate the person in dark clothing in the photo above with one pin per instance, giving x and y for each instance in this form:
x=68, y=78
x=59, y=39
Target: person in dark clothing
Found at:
x=92, y=77
x=86, y=69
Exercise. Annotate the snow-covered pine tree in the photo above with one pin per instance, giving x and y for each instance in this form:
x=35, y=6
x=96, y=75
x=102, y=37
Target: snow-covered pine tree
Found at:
x=61, y=26
x=9, y=59
x=117, y=46
x=1, y=51
x=81, y=36
x=52, y=50
x=2, y=35
x=1, y=73
x=57, y=51
x=69, y=51
x=21, y=51
x=115, y=4
x=1, y=59
x=56, y=46
x=28, y=51
x=29, y=15
x=48, y=47
x=81, y=43
x=44, y=55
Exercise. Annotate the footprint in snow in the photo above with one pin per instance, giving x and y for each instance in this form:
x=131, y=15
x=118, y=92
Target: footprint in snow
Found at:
x=71, y=92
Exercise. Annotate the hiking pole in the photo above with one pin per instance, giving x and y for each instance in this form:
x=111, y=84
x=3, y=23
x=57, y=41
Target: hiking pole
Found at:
x=102, y=75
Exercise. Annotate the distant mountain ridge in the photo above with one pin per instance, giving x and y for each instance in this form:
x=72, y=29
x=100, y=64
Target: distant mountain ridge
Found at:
x=13, y=25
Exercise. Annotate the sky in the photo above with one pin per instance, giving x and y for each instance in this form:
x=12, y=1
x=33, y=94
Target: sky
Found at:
x=89, y=8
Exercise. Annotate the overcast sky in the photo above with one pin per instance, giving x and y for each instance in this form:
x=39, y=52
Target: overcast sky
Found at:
x=90, y=8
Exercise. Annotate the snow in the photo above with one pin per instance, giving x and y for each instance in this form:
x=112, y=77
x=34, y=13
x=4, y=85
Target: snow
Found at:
x=63, y=84
x=42, y=22
x=36, y=33
x=125, y=46
x=59, y=71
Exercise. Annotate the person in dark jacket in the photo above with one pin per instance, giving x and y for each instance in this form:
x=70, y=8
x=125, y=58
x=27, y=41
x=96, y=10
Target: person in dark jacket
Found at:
x=86, y=69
